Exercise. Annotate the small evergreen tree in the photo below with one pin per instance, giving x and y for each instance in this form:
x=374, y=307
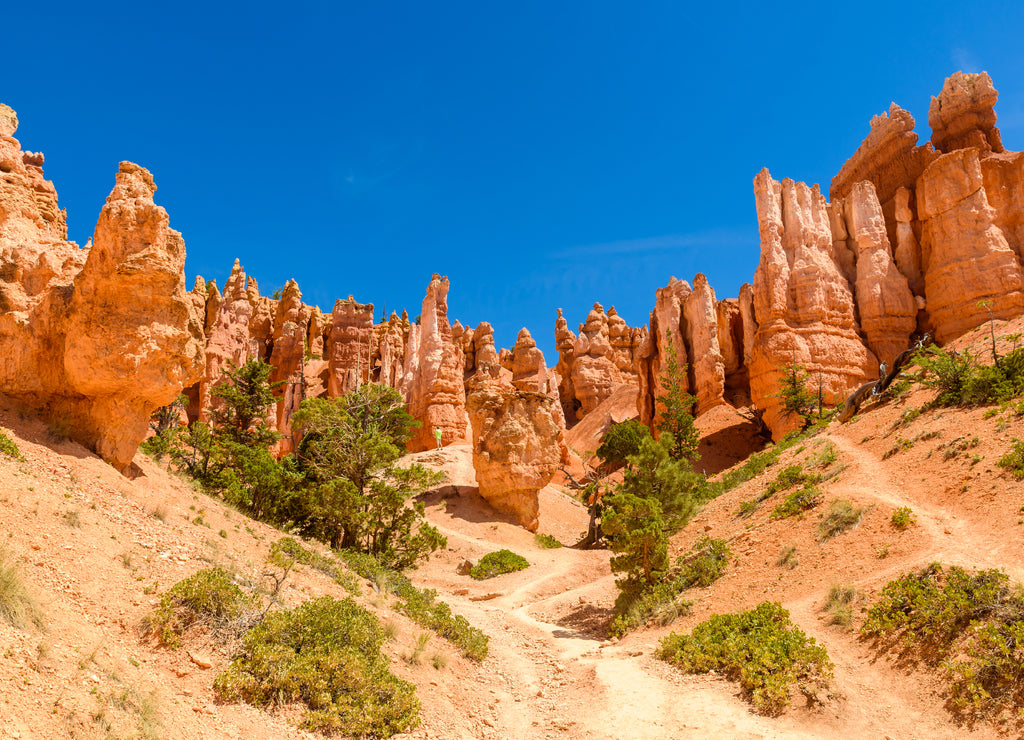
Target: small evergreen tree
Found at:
x=636, y=533
x=676, y=415
x=356, y=497
x=797, y=400
x=620, y=442
x=654, y=473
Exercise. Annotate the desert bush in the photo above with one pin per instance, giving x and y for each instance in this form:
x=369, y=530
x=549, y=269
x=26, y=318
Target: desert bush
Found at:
x=839, y=604
x=546, y=541
x=797, y=502
x=640, y=603
x=207, y=598
x=903, y=517
x=790, y=477
x=761, y=649
x=705, y=563
x=1013, y=461
x=324, y=654
x=9, y=448
x=970, y=624
x=17, y=605
x=419, y=605
x=496, y=563
x=901, y=444
x=841, y=515
x=787, y=558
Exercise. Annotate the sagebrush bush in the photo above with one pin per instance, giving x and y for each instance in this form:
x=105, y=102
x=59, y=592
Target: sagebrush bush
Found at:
x=839, y=604
x=8, y=447
x=971, y=624
x=546, y=541
x=1013, y=461
x=496, y=563
x=324, y=654
x=17, y=606
x=903, y=517
x=207, y=598
x=797, y=502
x=841, y=515
x=660, y=603
x=760, y=648
x=420, y=605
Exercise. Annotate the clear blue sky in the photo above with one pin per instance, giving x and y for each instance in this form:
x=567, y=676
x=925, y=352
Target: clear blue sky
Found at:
x=541, y=154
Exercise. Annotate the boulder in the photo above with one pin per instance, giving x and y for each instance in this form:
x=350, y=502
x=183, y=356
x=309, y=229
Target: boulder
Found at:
x=517, y=446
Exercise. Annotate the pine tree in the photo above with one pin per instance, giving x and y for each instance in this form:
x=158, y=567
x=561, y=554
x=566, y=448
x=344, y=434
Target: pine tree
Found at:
x=797, y=400
x=676, y=415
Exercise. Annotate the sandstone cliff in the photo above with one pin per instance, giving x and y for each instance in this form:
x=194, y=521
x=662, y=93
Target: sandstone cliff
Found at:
x=94, y=339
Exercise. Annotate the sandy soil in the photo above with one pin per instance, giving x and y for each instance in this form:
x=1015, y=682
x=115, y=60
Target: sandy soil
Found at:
x=97, y=550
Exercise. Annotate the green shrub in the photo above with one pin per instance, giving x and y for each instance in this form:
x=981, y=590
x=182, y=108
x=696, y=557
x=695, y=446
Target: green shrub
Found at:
x=17, y=606
x=326, y=655
x=207, y=598
x=797, y=502
x=901, y=444
x=790, y=477
x=420, y=605
x=903, y=517
x=971, y=624
x=841, y=515
x=286, y=551
x=546, y=541
x=638, y=604
x=761, y=649
x=9, y=448
x=826, y=457
x=1013, y=461
x=705, y=563
x=839, y=605
x=496, y=563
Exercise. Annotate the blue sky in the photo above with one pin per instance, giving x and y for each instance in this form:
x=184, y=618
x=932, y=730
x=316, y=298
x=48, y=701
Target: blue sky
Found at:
x=541, y=154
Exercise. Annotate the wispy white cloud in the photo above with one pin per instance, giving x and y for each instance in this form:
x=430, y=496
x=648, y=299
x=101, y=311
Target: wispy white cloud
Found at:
x=965, y=61
x=665, y=242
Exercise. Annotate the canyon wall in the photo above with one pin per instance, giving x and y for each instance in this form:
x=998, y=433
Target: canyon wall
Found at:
x=92, y=339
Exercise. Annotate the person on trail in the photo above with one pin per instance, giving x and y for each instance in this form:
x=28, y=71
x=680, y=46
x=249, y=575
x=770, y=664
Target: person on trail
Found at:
x=437, y=436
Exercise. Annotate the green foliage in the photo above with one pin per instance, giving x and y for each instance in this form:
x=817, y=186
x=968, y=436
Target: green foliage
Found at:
x=326, y=655
x=640, y=603
x=356, y=496
x=286, y=552
x=796, y=399
x=675, y=416
x=1013, y=461
x=17, y=606
x=165, y=424
x=790, y=477
x=761, y=649
x=705, y=563
x=654, y=473
x=969, y=623
x=242, y=399
x=621, y=442
x=546, y=541
x=419, y=605
x=496, y=563
x=841, y=516
x=9, y=448
x=903, y=517
x=636, y=534
x=960, y=381
x=839, y=605
x=797, y=502
x=901, y=444
x=207, y=598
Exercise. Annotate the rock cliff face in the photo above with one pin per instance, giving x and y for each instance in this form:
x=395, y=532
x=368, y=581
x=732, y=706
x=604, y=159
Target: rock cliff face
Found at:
x=350, y=346
x=803, y=304
x=517, y=445
x=94, y=339
x=433, y=385
x=593, y=363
